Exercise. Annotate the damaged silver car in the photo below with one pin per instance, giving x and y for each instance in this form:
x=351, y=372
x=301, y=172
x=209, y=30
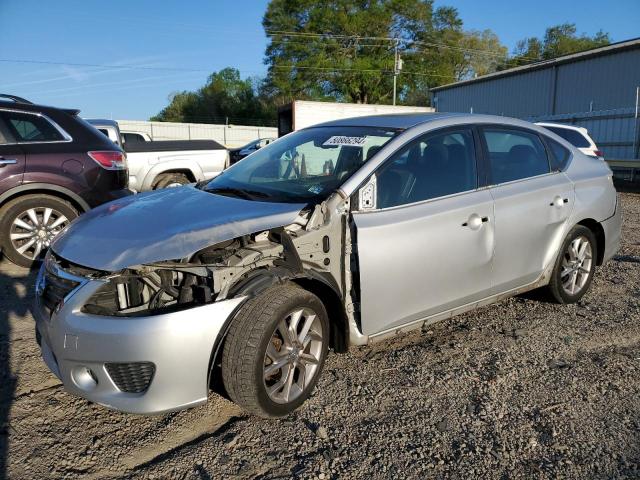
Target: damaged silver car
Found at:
x=337, y=235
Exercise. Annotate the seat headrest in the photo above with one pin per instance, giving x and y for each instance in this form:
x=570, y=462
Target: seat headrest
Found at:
x=435, y=154
x=522, y=154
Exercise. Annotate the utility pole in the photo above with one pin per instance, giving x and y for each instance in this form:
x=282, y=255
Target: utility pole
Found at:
x=397, y=66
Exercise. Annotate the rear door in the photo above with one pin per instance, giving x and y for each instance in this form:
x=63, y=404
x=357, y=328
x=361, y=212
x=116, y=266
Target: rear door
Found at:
x=532, y=205
x=428, y=245
x=12, y=157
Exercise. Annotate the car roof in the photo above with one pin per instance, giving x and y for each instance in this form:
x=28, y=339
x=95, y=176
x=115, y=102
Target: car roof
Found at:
x=393, y=120
x=34, y=107
x=404, y=121
x=101, y=121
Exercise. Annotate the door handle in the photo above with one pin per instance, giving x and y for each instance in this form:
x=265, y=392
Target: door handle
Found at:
x=559, y=202
x=475, y=221
x=7, y=161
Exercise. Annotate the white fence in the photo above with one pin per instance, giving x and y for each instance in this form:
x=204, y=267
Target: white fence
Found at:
x=228, y=135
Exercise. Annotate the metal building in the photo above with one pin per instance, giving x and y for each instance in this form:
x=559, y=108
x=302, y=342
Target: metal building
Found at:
x=597, y=89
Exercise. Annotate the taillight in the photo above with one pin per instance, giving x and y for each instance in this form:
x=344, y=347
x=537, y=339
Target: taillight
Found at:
x=599, y=153
x=110, y=159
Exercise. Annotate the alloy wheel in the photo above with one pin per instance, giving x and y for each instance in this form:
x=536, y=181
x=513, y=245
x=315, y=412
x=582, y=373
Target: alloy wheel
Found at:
x=33, y=230
x=576, y=265
x=293, y=355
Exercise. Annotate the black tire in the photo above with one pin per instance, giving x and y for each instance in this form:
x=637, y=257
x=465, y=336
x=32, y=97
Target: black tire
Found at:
x=165, y=180
x=244, y=354
x=559, y=293
x=16, y=209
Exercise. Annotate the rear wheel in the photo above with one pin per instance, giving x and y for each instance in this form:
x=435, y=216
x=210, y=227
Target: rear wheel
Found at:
x=29, y=224
x=275, y=350
x=575, y=266
x=170, y=180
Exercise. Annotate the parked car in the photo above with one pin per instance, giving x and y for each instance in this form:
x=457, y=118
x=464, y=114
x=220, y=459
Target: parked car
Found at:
x=133, y=137
x=576, y=136
x=341, y=234
x=167, y=163
x=236, y=154
x=108, y=128
x=53, y=166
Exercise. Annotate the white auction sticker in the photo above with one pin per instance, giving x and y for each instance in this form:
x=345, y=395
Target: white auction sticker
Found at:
x=347, y=141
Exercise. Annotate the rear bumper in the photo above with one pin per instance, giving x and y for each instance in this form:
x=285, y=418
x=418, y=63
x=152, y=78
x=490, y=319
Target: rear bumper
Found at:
x=178, y=344
x=612, y=227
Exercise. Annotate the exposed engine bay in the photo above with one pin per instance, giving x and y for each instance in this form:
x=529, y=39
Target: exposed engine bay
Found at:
x=312, y=247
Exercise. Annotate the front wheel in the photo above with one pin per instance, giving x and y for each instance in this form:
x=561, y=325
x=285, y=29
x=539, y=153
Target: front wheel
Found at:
x=29, y=224
x=575, y=266
x=275, y=350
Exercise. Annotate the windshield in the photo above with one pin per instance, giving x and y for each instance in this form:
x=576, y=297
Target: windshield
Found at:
x=304, y=166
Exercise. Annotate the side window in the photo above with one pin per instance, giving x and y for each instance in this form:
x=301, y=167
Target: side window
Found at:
x=515, y=154
x=559, y=155
x=432, y=166
x=30, y=128
x=132, y=137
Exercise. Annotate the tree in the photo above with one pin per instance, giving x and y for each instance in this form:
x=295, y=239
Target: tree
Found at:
x=344, y=49
x=558, y=40
x=225, y=96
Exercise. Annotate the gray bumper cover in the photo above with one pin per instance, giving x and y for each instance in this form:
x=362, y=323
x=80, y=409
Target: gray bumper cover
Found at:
x=179, y=344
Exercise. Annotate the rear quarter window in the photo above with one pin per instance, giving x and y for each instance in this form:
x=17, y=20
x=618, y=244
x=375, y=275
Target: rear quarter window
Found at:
x=28, y=128
x=559, y=157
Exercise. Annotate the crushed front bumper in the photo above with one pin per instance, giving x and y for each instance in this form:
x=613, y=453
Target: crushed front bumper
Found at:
x=77, y=348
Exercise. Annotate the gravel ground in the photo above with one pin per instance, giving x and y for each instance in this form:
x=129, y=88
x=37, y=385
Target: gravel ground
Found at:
x=521, y=389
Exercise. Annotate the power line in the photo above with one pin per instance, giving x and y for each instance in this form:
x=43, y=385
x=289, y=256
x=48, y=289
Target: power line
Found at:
x=119, y=67
x=365, y=70
x=394, y=39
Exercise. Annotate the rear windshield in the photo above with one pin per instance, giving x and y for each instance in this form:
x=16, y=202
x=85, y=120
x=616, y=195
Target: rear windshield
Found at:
x=303, y=166
x=574, y=137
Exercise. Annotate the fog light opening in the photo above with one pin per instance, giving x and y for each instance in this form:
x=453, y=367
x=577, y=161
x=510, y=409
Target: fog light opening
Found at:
x=84, y=378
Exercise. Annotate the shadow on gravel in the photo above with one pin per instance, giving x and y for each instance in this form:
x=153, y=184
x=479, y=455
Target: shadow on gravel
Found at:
x=16, y=300
x=627, y=258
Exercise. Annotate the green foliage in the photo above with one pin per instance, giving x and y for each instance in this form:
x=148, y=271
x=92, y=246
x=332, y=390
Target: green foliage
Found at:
x=558, y=40
x=343, y=50
x=354, y=60
x=225, y=97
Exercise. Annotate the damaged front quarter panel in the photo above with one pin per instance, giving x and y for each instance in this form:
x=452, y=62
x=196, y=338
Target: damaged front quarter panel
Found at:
x=316, y=247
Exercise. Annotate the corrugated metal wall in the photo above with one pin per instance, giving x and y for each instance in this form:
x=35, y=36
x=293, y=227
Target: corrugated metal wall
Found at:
x=597, y=93
x=228, y=135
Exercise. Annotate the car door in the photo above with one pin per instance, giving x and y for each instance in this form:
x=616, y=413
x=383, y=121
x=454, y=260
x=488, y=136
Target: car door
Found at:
x=12, y=158
x=532, y=205
x=427, y=246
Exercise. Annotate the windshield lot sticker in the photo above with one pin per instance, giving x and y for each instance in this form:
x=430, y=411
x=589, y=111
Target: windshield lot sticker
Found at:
x=347, y=141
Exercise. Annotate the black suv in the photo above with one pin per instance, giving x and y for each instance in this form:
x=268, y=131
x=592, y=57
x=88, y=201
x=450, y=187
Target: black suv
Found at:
x=53, y=166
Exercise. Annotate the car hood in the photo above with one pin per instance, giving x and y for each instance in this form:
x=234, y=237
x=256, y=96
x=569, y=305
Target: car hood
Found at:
x=164, y=225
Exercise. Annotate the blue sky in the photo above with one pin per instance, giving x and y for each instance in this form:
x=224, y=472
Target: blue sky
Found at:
x=192, y=38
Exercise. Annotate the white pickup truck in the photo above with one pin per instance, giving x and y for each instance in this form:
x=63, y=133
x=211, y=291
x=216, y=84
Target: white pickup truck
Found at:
x=161, y=164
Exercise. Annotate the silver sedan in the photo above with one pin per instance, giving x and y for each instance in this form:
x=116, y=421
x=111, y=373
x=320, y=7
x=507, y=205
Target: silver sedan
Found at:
x=336, y=235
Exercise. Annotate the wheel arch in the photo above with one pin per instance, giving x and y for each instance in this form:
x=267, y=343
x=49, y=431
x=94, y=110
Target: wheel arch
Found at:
x=46, y=189
x=328, y=295
x=598, y=232
x=185, y=171
x=187, y=167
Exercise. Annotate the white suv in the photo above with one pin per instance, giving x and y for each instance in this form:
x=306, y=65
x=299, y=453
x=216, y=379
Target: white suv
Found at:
x=577, y=136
